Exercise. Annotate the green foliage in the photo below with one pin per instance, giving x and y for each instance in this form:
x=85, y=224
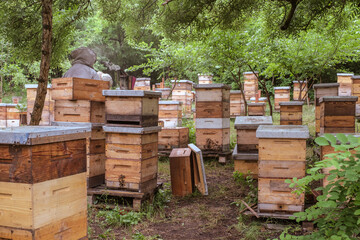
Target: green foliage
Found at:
x=250, y=184
x=140, y=236
x=120, y=217
x=158, y=205
x=337, y=211
x=189, y=123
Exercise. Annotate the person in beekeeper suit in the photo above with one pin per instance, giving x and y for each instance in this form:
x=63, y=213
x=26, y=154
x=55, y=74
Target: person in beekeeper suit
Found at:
x=82, y=61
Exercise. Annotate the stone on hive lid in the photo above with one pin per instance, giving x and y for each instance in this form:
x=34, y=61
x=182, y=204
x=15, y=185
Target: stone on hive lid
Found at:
x=252, y=122
x=283, y=131
x=292, y=103
x=130, y=93
x=338, y=99
x=213, y=85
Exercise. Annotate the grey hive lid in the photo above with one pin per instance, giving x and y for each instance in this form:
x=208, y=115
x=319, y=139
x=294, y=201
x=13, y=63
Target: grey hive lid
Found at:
x=291, y=103
x=132, y=130
x=256, y=104
x=252, y=122
x=235, y=91
x=143, y=79
x=162, y=89
x=283, y=131
x=345, y=74
x=338, y=99
x=296, y=81
x=281, y=88
x=35, y=86
x=214, y=85
x=77, y=124
x=130, y=93
x=33, y=135
x=325, y=85
x=182, y=81
x=355, y=77
x=169, y=103
x=244, y=156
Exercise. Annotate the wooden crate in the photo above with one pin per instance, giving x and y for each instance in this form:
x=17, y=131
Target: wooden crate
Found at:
x=165, y=92
x=237, y=105
x=337, y=114
x=218, y=92
x=180, y=172
x=291, y=113
x=132, y=157
x=78, y=89
x=300, y=90
x=245, y=163
x=322, y=90
x=250, y=84
x=216, y=140
x=132, y=108
x=256, y=109
x=212, y=109
x=246, y=127
x=182, y=84
x=282, y=94
x=170, y=138
x=48, y=111
x=79, y=111
x=282, y=155
x=205, y=78
x=345, y=84
x=356, y=92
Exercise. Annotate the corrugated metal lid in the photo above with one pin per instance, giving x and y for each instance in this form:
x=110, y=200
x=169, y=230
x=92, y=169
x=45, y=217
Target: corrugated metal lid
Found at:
x=252, y=122
x=283, y=131
x=130, y=93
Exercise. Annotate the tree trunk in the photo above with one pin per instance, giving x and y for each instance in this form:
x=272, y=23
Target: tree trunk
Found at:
x=46, y=15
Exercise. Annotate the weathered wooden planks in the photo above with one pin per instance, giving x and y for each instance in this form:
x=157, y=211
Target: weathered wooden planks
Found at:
x=170, y=138
x=282, y=94
x=170, y=112
x=9, y=115
x=48, y=111
x=250, y=84
x=300, y=90
x=237, y=105
x=79, y=111
x=180, y=172
x=256, y=109
x=345, y=84
x=291, y=113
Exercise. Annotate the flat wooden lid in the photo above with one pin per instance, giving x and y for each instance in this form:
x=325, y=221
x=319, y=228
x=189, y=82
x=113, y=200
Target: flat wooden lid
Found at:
x=180, y=152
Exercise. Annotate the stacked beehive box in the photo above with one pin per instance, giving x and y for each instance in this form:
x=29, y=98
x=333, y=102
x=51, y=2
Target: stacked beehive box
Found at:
x=9, y=115
x=43, y=183
x=282, y=155
x=176, y=137
x=256, y=109
x=131, y=139
x=245, y=154
x=300, y=90
x=182, y=93
x=356, y=92
x=337, y=114
x=80, y=102
x=282, y=94
x=260, y=100
x=165, y=92
x=322, y=90
x=170, y=112
x=250, y=85
x=205, y=78
x=237, y=105
x=345, y=84
x=291, y=113
x=213, y=117
x=142, y=84
x=47, y=115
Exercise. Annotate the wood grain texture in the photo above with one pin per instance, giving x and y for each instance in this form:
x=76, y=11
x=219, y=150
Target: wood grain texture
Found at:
x=95, y=146
x=213, y=139
x=282, y=149
x=180, y=172
x=281, y=169
x=256, y=110
x=95, y=164
x=212, y=109
x=212, y=95
x=247, y=167
x=247, y=140
x=170, y=138
x=79, y=111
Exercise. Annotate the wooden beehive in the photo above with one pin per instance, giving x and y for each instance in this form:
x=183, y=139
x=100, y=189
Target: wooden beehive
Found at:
x=250, y=85
x=237, y=105
x=282, y=94
x=322, y=90
x=300, y=90
x=78, y=89
x=165, y=92
x=356, y=92
x=182, y=85
x=212, y=109
x=213, y=134
x=180, y=172
x=217, y=92
x=43, y=183
x=345, y=84
x=291, y=113
x=9, y=115
x=47, y=115
x=79, y=111
x=246, y=162
x=131, y=158
x=246, y=127
x=205, y=78
x=337, y=114
x=142, y=84
x=170, y=112
x=282, y=155
x=132, y=108
x=170, y=138
x=256, y=109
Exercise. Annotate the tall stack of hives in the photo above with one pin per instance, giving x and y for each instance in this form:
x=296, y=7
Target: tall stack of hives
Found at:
x=250, y=85
x=47, y=115
x=246, y=151
x=131, y=139
x=213, y=117
x=142, y=84
x=43, y=183
x=282, y=94
x=172, y=135
x=80, y=101
x=345, y=84
x=237, y=105
x=282, y=155
x=182, y=93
